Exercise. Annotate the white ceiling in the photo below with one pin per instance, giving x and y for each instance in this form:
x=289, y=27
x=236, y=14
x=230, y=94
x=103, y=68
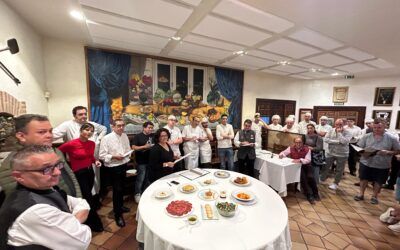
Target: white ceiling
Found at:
x=317, y=38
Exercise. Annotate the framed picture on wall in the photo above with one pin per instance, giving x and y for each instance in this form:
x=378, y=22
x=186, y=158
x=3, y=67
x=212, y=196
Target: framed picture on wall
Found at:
x=385, y=114
x=384, y=96
x=398, y=120
x=302, y=112
x=340, y=94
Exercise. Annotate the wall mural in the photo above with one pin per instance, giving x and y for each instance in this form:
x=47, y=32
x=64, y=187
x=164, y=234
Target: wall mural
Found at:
x=140, y=88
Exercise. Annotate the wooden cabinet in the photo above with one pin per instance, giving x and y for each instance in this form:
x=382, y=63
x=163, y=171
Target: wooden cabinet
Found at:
x=335, y=112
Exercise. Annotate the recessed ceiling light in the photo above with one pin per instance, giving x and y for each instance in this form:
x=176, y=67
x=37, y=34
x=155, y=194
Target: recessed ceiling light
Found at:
x=77, y=15
x=283, y=63
x=240, y=52
x=315, y=70
x=176, y=38
x=335, y=74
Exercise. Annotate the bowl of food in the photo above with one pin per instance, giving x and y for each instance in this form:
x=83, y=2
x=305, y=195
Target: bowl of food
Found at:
x=192, y=219
x=226, y=209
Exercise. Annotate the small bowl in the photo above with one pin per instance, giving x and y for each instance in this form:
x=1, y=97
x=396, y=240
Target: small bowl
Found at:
x=225, y=212
x=192, y=219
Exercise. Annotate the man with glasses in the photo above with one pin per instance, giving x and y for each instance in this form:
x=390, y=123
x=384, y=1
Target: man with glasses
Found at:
x=113, y=150
x=245, y=139
x=32, y=129
x=37, y=214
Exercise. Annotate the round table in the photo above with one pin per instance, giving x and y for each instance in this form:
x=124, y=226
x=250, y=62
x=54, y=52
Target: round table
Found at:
x=263, y=225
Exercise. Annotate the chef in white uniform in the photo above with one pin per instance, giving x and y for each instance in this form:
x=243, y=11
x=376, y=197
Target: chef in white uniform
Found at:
x=205, y=147
x=191, y=134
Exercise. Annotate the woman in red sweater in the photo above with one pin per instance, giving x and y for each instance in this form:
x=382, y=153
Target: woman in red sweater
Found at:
x=81, y=156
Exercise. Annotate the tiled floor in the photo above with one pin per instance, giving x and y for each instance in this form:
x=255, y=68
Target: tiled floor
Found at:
x=337, y=222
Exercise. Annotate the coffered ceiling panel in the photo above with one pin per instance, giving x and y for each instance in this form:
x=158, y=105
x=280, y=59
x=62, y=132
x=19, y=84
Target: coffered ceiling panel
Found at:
x=127, y=36
x=355, y=67
x=153, y=11
x=252, y=61
x=316, y=39
x=355, y=54
x=212, y=43
x=252, y=16
x=113, y=44
x=328, y=60
x=239, y=65
x=290, y=48
x=267, y=55
x=316, y=75
x=195, y=49
x=332, y=71
x=288, y=68
x=127, y=23
x=305, y=65
x=301, y=77
x=276, y=72
x=192, y=2
x=228, y=31
x=380, y=63
x=192, y=57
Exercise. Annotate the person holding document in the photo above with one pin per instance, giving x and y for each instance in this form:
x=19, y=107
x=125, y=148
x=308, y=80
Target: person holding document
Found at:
x=245, y=139
x=161, y=160
x=375, y=166
x=113, y=147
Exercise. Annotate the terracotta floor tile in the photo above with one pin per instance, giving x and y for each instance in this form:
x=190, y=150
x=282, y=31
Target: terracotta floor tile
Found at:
x=114, y=242
x=104, y=210
x=336, y=240
x=293, y=225
x=381, y=245
x=129, y=244
x=112, y=227
x=296, y=236
x=100, y=238
x=318, y=222
x=336, y=212
x=353, y=215
x=318, y=230
x=329, y=245
x=334, y=227
x=351, y=247
x=298, y=246
x=307, y=207
x=362, y=243
x=311, y=215
x=313, y=240
x=344, y=221
x=92, y=247
x=344, y=237
x=321, y=210
x=327, y=218
x=127, y=231
x=371, y=235
x=304, y=229
x=352, y=231
x=360, y=224
x=302, y=220
x=315, y=248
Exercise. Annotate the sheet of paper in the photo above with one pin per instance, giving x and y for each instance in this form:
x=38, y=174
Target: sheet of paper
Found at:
x=183, y=157
x=127, y=153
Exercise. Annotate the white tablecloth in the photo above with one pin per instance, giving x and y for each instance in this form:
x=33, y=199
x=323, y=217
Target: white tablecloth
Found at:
x=263, y=225
x=277, y=172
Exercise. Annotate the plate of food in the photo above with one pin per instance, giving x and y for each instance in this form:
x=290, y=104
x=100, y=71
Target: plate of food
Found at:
x=208, y=212
x=208, y=194
x=207, y=182
x=226, y=209
x=243, y=195
x=162, y=193
x=222, y=174
x=179, y=208
x=187, y=188
x=241, y=181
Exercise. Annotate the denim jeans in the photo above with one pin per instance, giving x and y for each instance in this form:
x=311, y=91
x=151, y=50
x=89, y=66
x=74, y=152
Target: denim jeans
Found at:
x=142, y=180
x=316, y=170
x=226, y=155
x=340, y=163
x=398, y=189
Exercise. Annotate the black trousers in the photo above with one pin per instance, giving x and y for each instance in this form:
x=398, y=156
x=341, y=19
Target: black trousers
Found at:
x=85, y=178
x=307, y=181
x=352, y=159
x=394, y=171
x=246, y=166
x=117, y=177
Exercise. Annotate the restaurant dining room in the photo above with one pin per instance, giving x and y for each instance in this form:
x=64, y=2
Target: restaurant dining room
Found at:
x=199, y=124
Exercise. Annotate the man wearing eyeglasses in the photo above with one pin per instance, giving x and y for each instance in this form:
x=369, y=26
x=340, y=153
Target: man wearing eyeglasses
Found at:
x=37, y=214
x=245, y=139
x=33, y=129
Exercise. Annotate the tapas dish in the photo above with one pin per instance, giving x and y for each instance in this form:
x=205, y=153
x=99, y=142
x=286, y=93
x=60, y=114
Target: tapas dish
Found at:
x=207, y=182
x=208, y=194
x=162, y=193
x=222, y=174
x=226, y=209
x=187, y=188
x=208, y=212
x=241, y=181
x=245, y=196
x=179, y=208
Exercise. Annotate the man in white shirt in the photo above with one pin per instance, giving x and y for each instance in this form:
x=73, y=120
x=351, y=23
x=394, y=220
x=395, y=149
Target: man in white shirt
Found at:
x=303, y=124
x=355, y=132
x=175, y=139
x=257, y=127
x=225, y=134
x=204, y=146
x=323, y=127
x=114, y=151
x=290, y=126
x=191, y=134
x=38, y=215
x=276, y=119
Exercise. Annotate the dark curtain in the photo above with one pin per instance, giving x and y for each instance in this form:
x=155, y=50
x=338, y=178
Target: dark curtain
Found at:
x=230, y=84
x=108, y=78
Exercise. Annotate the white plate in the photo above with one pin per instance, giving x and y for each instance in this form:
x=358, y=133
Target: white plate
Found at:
x=180, y=188
x=222, y=174
x=241, y=185
x=175, y=216
x=202, y=195
x=236, y=192
x=162, y=193
x=131, y=171
x=203, y=183
x=245, y=203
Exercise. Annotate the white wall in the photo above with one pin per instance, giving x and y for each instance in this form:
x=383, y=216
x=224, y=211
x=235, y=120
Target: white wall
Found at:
x=66, y=78
x=27, y=65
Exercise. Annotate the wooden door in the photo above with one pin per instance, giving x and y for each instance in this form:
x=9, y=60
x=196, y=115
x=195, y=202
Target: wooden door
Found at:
x=336, y=112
